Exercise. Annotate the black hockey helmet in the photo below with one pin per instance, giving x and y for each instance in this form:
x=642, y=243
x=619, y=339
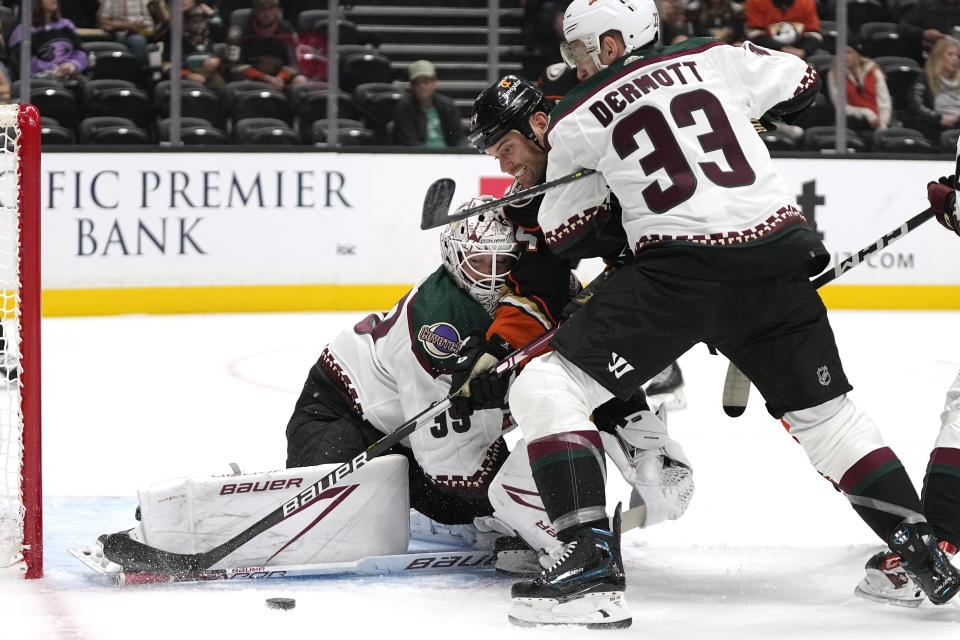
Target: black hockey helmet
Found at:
x=503, y=107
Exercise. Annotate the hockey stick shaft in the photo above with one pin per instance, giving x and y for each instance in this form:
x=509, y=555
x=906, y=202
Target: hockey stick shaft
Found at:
x=436, y=203
x=404, y=564
x=147, y=557
x=736, y=386
x=885, y=241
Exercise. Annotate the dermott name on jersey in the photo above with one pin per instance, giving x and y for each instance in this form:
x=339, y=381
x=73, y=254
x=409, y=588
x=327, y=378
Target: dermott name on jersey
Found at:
x=617, y=99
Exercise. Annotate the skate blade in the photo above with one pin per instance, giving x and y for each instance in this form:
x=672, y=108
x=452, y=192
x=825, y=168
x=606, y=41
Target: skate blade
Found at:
x=905, y=601
x=601, y=610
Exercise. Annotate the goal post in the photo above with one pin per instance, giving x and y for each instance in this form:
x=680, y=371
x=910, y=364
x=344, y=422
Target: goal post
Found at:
x=21, y=520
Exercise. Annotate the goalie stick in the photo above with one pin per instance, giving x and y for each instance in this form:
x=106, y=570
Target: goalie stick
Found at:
x=413, y=563
x=432, y=562
x=736, y=386
x=140, y=557
x=439, y=196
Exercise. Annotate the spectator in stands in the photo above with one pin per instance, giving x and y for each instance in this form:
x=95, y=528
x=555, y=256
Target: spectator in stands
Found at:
x=425, y=118
x=868, y=101
x=720, y=19
x=934, y=100
x=791, y=26
x=55, y=47
x=926, y=22
x=266, y=47
x=202, y=54
x=129, y=22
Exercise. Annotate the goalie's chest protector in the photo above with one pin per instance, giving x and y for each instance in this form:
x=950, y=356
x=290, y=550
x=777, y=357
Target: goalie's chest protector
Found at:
x=400, y=362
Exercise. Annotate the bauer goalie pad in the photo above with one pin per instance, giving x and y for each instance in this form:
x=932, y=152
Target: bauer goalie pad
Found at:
x=653, y=464
x=368, y=515
x=517, y=506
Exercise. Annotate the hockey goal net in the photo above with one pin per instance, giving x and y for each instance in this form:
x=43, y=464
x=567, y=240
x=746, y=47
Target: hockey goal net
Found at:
x=21, y=544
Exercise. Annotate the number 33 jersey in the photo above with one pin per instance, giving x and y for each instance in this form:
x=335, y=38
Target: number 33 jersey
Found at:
x=669, y=130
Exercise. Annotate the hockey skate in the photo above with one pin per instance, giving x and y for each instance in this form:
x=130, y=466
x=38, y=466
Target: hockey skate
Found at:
x=585, y=586
x=666, y=388
x=886, y=581
x=925, y=562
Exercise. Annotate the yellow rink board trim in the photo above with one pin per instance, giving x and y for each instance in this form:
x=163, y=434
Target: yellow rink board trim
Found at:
x=83, y=302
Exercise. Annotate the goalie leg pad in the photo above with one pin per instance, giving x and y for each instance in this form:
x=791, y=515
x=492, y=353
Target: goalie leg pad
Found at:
x=364, y=516
x=517, y=503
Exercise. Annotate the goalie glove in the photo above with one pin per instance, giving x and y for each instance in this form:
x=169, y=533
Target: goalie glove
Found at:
x=943, y=200
x=476, y=385
x=653, y=464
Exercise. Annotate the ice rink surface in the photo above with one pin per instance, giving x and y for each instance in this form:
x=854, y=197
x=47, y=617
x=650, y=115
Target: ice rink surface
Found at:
x=767, y=548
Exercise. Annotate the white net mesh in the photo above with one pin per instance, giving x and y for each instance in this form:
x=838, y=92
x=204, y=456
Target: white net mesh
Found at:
x=11, y=420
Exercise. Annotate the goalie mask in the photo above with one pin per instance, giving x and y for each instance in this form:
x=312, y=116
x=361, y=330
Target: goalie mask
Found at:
x=585, y=22
x=503, y=107
x=479, y=252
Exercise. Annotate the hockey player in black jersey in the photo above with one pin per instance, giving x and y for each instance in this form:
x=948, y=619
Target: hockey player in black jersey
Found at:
x=508, y=118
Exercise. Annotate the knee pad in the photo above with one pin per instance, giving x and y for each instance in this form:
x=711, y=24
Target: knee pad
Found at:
x=835, y=435
x=552, y=396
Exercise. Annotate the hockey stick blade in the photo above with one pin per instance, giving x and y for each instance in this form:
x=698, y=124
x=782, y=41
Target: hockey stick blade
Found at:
x=736, y=392
x=736, y=386
x=136, y=556
x=439, y=197
x=436, y=204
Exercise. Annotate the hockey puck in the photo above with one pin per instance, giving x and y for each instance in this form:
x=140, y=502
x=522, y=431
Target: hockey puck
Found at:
x=281, y=603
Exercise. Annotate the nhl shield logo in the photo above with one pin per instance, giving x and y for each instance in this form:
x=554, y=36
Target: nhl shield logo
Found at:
x=823, y=375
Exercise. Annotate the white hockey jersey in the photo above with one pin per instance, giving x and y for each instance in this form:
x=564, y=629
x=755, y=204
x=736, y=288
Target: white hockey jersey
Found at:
x=670, y=133
x=397, y=363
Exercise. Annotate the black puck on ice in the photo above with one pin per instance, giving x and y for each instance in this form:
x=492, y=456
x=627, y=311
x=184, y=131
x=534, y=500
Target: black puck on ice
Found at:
x=281, y=603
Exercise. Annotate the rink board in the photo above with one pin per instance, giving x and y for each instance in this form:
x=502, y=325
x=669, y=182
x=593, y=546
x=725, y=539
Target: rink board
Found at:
x=213, y=232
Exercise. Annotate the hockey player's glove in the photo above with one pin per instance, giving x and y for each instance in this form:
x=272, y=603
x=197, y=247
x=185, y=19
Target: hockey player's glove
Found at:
x=943, y=200
x=477, y=386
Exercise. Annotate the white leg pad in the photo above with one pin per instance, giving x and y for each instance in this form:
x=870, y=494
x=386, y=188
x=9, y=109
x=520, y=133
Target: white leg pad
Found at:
x=367, y=513
x=835, y=435
x=517, y=504
x=553, y=396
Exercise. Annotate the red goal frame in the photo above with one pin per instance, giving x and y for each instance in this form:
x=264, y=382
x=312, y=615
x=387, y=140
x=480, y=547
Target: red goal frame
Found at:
x=28, y=148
